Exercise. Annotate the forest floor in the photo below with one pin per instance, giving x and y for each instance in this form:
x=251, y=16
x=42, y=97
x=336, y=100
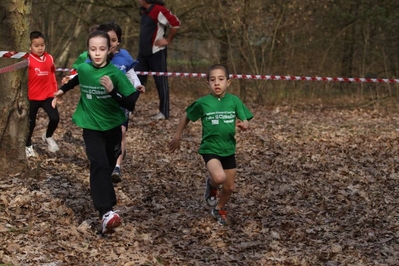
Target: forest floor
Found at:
x=314, y=187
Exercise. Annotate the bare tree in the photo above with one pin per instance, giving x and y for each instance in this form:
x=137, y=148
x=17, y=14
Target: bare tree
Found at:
x=14, y=104
x=68, y=44
x=268, y=37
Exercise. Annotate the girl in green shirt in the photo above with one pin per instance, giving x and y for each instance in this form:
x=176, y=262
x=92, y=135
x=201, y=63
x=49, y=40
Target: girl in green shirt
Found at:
x=103, y=90
x=218, y=112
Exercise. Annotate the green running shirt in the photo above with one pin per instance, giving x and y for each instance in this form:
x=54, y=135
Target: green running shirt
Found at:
x=96, y=109
x=218, y=118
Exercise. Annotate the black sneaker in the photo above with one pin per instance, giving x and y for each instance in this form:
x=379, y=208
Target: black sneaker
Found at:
x=220, y=216
x=116, y=175
x=210, y=194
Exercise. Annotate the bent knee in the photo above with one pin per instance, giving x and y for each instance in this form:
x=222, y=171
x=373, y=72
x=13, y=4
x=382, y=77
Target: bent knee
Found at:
x=54, y=119
x=229, y=188
x=219, y=178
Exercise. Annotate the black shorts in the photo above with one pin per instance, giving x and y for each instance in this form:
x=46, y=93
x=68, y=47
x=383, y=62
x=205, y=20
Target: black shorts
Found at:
x=228, y=162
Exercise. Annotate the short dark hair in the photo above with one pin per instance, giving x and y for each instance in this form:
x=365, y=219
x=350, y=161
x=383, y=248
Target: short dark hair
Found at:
x=218, y=66
x=35, y=35
x=112, y=26
x=158, y=2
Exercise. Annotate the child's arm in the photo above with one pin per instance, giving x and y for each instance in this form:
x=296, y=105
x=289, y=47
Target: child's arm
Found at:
x=243, y=125
x=70, y=84
x=134, y=79
x=54, y=79
x=126, y=102
x=243, y=115
x=175, y=143
x=64, y=88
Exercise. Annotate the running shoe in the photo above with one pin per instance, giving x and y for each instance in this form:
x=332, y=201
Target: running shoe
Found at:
x=220, y=216
x=51, y=144
x=111, y=220
x=210, y=194
x=116, y=175
x=29, y=151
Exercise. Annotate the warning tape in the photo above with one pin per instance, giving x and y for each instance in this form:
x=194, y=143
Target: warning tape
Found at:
x=262, y=77
x=13, y=67
x=10, y=54
x=270, y=77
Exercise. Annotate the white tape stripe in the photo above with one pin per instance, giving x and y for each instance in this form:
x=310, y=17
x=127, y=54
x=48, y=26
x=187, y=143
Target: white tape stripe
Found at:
x=10, y=54
x=18, y=55
x=264, y=77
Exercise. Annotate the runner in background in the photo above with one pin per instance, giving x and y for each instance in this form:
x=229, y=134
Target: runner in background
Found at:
x=42, y=85
x=124, y=61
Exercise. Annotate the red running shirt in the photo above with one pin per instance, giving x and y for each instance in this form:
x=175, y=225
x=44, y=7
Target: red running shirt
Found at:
x=41, y=77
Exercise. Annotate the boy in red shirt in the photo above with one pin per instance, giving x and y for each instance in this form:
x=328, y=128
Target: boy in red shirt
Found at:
x=42, y=85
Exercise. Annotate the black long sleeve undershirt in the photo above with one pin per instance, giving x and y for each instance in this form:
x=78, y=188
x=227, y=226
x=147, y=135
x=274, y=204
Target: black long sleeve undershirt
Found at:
x=126, y=102
x=70, y=84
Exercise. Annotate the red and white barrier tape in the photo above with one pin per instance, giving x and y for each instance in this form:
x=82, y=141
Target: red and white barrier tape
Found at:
x=13, y=67
x=10, y=54
x=270, y=77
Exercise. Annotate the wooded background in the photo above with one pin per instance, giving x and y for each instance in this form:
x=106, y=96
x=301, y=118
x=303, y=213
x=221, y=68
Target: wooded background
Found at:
x=315, y=186
x=329, y=38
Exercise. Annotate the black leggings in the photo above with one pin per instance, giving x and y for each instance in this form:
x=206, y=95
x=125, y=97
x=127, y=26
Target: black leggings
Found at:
x=102, y=149
x=52, y=113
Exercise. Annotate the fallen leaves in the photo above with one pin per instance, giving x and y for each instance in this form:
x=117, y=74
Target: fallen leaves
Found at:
x=313, y=188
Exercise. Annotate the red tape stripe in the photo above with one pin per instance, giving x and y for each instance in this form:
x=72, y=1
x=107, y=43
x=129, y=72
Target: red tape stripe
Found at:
x=11, y=54
x=268, y=77
x=13, y=67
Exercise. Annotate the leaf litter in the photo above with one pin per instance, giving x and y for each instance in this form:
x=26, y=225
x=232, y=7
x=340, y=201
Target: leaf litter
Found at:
x=313, y=188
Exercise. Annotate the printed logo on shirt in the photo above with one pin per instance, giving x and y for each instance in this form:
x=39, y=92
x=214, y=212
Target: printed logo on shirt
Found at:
x=98, y=92
x=121, y=67
x=40, y=73
x=226, y=116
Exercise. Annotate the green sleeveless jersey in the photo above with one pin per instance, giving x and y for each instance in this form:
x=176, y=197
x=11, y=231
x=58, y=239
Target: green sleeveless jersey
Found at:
x=96, y=109
x=218, y=118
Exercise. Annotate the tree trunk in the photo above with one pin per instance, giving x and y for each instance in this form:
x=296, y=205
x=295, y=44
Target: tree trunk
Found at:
x=349, y=42
x=243, y=50
x=14, y=36
x=224, y=38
